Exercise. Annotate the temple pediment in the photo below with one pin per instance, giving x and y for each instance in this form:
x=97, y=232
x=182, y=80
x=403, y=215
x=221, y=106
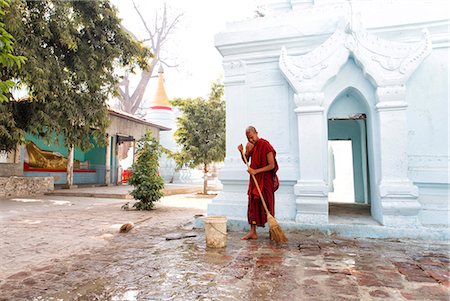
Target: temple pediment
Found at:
x=384, y=62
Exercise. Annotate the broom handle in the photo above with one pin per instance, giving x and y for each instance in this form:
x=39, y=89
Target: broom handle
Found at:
x=256, y=183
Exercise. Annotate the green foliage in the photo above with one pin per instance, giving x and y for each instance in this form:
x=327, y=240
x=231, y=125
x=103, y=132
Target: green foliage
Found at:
x=201, y=130
x=72, y=49
x=7, y=58
x=145, y=179
x=18, y=118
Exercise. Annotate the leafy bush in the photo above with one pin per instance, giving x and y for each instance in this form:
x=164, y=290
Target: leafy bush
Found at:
x=145, y=179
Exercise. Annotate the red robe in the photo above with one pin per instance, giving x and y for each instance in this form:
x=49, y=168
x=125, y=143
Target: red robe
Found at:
x=256, y=214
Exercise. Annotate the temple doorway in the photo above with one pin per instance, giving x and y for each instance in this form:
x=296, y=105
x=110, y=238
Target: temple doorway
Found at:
x=341, y=183
x=348, y=160
x=348, y=198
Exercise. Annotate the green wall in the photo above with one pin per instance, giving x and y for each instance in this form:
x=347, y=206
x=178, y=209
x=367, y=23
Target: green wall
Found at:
x=96, y=155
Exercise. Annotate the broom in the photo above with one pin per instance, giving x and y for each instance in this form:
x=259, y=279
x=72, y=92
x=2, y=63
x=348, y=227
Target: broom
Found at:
x=276, y=233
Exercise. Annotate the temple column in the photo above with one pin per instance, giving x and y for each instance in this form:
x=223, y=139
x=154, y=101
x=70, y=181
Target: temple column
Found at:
x=232, y=200
x=398, y=195
x=311, y=190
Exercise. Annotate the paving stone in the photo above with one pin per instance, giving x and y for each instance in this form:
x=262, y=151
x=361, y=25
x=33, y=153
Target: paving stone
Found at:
x=413, y=272
x=310, y=282
x=20, y=275
x=379, y=294
x=432, y=293
x=344, y=271
x=315, y=272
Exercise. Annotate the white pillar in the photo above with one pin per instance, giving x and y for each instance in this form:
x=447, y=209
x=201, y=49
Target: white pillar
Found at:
x=311, y=190
x=397, y=192
x=108, y=161
x=232, y=200
x=115, y=153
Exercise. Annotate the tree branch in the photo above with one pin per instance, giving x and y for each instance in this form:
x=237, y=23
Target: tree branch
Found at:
x=145, y=23
x=122, y=94
x=167, y=65
x=172, y=25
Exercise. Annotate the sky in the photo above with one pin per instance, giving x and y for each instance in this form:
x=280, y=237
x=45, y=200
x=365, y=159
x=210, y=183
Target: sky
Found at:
x=191, y=45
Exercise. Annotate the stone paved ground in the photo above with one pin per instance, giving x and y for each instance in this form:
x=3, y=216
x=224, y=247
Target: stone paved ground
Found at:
x=143, y=265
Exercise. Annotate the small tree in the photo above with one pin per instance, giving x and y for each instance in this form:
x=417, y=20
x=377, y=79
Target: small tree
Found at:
x=201, y=131
x=145, y=179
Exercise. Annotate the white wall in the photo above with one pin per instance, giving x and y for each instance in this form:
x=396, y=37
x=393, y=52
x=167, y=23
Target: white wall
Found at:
x=428, y=136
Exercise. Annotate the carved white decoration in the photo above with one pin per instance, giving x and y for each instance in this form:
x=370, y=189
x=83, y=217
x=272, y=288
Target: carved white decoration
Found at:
x=309, y=99
x=386, y=62
x=234, y=68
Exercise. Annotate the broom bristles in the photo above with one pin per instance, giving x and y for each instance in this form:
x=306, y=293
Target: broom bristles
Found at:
x=276, y=233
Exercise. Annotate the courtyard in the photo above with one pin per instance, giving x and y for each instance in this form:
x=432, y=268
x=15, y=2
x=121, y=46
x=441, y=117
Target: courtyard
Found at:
x=69, y=248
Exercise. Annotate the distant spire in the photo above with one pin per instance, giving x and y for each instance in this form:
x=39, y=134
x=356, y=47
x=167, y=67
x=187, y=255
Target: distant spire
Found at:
x=161, y=101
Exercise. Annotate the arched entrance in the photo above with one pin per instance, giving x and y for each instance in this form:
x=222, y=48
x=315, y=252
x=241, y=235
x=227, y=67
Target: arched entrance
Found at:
x=347, y=119
x=348, y=162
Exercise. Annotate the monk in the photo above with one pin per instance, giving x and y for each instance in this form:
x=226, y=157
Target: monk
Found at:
x=264, y=166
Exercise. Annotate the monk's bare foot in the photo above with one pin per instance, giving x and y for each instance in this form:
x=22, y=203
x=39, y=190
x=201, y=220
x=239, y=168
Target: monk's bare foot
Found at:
x=249, y=236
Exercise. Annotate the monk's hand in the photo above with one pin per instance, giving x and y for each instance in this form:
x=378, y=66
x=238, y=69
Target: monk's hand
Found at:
x=240, y=148
x=248, y=147
x=252, y=171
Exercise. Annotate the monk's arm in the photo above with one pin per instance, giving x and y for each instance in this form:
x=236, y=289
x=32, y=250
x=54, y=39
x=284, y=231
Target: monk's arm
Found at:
x=247, y=156
x=270, y=165
x=241, y=151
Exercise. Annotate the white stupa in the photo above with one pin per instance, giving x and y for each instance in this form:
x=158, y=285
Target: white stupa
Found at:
x=161, y=112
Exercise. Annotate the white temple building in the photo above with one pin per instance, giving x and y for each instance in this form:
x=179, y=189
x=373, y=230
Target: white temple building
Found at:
x=372, y=72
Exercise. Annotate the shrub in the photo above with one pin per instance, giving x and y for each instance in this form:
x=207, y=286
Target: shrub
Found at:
x=145, y=178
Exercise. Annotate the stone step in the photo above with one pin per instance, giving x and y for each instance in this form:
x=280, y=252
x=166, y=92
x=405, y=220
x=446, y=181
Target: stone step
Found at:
x=75, y=193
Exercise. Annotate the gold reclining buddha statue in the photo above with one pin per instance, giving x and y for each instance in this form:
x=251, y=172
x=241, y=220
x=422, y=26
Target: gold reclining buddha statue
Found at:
x=42, y=159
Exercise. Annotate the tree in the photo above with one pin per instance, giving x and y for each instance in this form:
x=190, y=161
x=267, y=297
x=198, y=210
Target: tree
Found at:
x=7, y=58
x=72, y=49
x=7, y=61
x=147, y=183
x=201, y=131
x=157, y=37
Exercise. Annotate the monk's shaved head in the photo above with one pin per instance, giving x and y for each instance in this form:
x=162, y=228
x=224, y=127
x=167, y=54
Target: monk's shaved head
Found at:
x=251, y=128
x=252, y=134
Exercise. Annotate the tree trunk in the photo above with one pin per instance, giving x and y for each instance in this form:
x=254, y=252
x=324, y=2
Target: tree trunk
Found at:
x=70, y=167
x=131, y=103
x=205, y=178
x=17, y=153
